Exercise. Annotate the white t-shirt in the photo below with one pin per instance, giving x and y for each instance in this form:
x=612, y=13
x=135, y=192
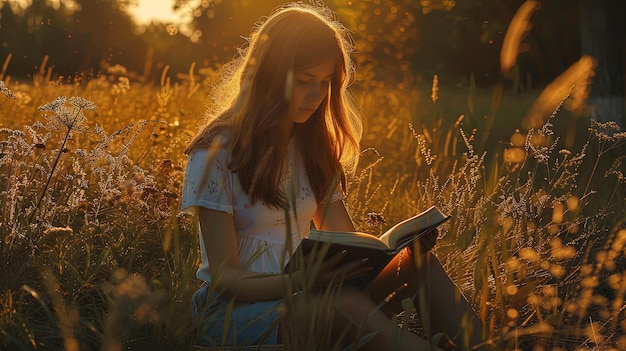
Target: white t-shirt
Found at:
x=260, y=230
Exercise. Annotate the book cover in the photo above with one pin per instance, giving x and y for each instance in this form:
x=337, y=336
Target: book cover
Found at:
x=379, y=250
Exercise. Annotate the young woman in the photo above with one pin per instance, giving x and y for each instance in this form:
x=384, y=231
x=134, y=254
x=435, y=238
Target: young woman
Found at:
x=269, y=162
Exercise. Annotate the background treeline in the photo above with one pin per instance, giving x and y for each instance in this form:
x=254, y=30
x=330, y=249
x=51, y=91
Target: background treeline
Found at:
x=398, y=38
x=95, y=254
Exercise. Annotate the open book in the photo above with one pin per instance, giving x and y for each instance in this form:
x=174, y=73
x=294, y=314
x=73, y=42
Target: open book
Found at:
x=378, y=250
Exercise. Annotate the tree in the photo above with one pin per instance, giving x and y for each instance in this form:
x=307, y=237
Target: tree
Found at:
x=106, y=35
x=78, y=37
x=10, y=32
x=36, y=32
x=385, y=35
x=47, y=32
x=219, y=25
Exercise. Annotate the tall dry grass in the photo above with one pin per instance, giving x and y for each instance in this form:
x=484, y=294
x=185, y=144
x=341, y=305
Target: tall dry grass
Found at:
x=97, y=256
x=95, y=251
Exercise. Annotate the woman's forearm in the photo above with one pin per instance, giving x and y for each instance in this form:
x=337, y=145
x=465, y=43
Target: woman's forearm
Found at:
x=248, y=286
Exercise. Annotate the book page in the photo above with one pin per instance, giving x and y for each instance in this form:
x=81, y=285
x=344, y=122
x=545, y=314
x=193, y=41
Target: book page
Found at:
x=348, y=238
x=421, y=222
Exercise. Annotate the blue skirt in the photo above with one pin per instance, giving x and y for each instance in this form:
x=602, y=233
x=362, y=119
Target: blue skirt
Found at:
x=239, y=324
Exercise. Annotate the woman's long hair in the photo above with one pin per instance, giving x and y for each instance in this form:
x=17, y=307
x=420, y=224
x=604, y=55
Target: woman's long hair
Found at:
x=255, y=115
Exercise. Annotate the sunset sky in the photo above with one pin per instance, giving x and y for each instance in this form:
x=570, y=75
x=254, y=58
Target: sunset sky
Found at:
x=144, y=12
x=158, y=10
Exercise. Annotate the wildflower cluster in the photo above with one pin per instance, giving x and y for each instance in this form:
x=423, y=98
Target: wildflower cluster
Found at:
x=6, y=91
x=375, y=219
x=607, y=132
x=83, y=195
x=69, y=112
x=529, y=229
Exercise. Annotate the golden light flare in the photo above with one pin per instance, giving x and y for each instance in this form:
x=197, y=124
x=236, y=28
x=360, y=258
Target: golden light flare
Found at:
x=534, y=299
x=520, y=24
x=558, y=210
x=564, y=253
x=511, y=290
x=589, y=282
x=614, y=281
x=593, y=333
x=518, y=139
x=434, y=95
x=171, y=29
x=154, y=10
x=529, y=254
x=573, y=203
x=432, y=5
x=557, y=270
x=512, y=313
x=513, y=264
x=514, y=155
x=556, y=92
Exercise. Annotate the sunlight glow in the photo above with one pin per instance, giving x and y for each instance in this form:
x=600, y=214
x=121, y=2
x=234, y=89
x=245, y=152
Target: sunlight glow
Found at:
x=147, y=11
x=142, y=11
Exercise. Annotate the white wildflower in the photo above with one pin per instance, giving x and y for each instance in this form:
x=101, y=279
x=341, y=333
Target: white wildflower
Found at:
x=6, y=91
x=607, y=131
x=98, y=130
x=81, y=153
x=511, y=207
x=540, y=153
x=54, y=105
x=72, y=118
x=616, y=169
x=41, y=168
x=426, y=152
x=546, y=128
x=82, y=103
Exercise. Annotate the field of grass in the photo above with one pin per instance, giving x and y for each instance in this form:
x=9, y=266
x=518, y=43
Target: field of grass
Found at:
x=96, y=255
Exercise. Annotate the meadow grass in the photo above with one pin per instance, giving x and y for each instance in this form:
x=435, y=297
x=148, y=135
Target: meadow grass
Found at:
x=96, y=254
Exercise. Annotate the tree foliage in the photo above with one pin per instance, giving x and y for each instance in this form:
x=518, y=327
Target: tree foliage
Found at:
x=76, y=39
x=220, y=25
x=399, y=40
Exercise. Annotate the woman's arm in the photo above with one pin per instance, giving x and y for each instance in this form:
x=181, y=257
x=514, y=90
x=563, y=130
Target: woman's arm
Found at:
x=218, y=234
x=333, y=216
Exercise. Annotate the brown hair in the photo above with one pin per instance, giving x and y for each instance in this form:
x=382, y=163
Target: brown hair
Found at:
x=294, y=37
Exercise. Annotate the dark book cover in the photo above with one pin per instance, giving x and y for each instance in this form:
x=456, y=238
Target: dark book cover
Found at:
x=377, y=258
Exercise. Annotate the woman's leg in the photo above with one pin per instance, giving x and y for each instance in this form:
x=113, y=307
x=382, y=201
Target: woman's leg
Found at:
x=221, y=323
x=441, y=306
x=350, y=315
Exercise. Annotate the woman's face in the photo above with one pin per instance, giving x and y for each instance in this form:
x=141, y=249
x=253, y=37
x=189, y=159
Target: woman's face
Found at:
x=309, y=87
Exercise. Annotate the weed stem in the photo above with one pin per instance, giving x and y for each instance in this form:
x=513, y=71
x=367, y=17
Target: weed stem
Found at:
x=54, y=165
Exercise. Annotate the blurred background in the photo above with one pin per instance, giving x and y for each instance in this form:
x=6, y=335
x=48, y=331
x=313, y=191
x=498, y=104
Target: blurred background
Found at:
x=455, y=95
x=399, y=42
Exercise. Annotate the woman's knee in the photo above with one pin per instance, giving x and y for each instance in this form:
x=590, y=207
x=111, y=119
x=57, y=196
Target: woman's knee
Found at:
x=354, y=302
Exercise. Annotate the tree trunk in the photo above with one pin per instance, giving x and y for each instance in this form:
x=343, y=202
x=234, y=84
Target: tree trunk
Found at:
x=601, y=31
